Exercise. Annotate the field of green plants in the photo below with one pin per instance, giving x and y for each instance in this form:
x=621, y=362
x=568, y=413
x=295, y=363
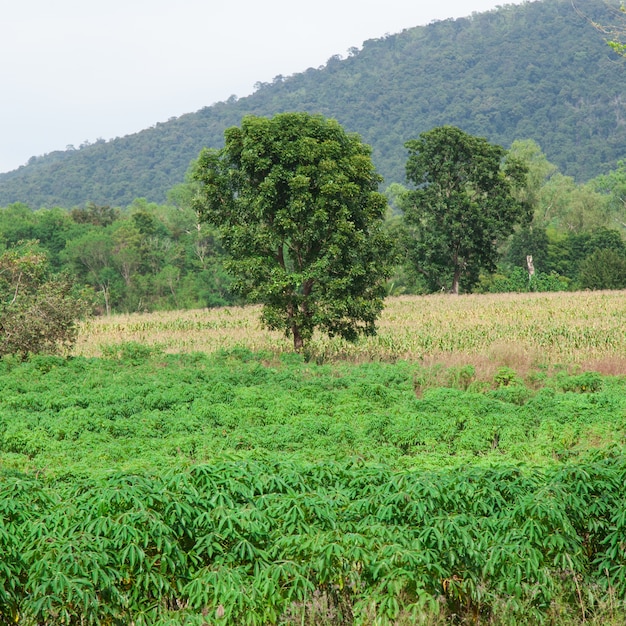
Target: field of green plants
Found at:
x=248, y=485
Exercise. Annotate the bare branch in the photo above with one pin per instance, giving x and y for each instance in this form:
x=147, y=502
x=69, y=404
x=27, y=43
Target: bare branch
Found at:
x=17, y=288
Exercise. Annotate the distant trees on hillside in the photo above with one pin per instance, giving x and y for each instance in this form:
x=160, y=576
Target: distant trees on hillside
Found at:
x=613, y=27
x=534, y=70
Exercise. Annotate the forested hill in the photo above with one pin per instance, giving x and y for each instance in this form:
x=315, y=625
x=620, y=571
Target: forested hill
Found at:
x=533, y=71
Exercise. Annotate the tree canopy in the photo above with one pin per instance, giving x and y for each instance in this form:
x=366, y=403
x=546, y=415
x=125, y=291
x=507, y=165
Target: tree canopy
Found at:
x=613, y=28
x=463, y=204
x=296, y=201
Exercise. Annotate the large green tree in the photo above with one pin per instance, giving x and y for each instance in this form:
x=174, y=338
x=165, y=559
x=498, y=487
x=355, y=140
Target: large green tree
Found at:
x=295, y=198
x=463, y=205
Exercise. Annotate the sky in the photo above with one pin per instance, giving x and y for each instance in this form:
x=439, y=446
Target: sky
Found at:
x=74, y=71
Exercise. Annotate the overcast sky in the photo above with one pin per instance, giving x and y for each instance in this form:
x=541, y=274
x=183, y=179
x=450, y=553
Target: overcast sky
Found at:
x=77, y=70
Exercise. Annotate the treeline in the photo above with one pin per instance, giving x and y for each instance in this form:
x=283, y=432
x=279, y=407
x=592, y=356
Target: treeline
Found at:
x=576, y=237
x=139, y=258
x=149, y=256
x=538, y=70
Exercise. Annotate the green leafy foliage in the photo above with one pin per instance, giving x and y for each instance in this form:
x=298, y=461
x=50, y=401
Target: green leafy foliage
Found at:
x=241, y=542
x=603, y=269
x=463, y=204
x=140, y=408
x=226, y=489
x=295, y=198
x=38, y=312
x=143, y=258
x=518, y=280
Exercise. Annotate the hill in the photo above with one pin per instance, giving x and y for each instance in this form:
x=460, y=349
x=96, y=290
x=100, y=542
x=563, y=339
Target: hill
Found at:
x=533, y=71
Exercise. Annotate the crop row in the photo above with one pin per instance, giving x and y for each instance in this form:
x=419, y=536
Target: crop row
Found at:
x=143, y=412
x=241, y=542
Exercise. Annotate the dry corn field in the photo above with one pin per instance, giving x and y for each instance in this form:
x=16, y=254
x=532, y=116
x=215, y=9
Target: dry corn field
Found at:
x=523, y=331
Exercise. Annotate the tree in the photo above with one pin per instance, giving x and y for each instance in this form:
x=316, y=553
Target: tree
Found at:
x=462, y=207
x=38, y=312
x=540, y=171
x=295, y=198
x=571, y=207
x=603, y=269
x=91, y=256
x=615, y=31
x=97, y=215
x=613, y=186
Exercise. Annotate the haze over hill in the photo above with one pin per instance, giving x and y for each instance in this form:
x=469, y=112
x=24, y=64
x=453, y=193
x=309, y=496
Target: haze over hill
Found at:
x=537, y=70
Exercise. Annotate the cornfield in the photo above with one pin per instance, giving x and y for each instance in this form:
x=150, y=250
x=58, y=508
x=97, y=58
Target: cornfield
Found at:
x=515, y=330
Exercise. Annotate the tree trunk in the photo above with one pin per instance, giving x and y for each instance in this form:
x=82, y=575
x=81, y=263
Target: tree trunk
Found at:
x=457, y=273
x=107, y=306
x=298, y=343
x=455, y=281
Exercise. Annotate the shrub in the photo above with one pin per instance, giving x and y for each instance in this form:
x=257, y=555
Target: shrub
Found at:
x=516, y=280
x=604, y=269
x=130, y=352
x=588, y=382
x=38, y=312
x=506, y=376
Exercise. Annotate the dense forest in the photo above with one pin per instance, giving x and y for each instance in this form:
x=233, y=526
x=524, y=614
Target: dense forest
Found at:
x=537, y=71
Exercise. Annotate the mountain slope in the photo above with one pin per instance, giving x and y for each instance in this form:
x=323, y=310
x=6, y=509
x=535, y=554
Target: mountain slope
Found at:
x=537, y=70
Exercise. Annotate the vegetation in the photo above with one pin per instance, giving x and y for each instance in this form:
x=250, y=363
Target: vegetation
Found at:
x=614, y=30
x=462, y=206
x=146, y=257
x=464, y=465
x=242, y=487
x=269, y=541
x=38, y=312
x=296, y=201
x=139, y=258
x=521, y=331
x=537, y=70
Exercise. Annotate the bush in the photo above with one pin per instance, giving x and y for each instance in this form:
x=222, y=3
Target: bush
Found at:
x=130, y=352
x=38, y=312
x=604, y=269
x=516, y=280
x=589, y=382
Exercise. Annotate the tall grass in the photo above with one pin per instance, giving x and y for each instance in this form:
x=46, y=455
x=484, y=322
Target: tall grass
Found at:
x=521, y=331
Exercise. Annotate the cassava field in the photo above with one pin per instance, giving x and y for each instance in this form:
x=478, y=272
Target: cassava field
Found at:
x=465, y=466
